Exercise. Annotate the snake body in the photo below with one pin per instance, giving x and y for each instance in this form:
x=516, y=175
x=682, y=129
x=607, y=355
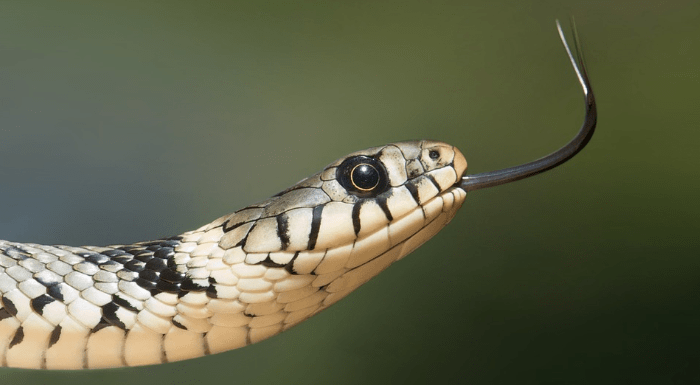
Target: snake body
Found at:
x=245, y=276
x=238, y=280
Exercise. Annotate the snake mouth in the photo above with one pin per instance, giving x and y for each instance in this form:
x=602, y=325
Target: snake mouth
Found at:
x=460, y=179
x=459, y=165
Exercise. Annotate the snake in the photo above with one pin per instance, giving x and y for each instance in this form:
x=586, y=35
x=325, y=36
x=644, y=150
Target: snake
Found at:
x=245, y=276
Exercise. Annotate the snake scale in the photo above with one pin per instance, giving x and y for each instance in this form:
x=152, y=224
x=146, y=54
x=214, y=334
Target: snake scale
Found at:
x=246, y=276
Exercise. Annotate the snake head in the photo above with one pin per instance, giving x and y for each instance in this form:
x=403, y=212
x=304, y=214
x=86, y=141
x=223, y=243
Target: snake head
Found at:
x=345, y=224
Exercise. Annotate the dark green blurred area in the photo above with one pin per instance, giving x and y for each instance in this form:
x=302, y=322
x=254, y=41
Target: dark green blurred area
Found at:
x=126, y=121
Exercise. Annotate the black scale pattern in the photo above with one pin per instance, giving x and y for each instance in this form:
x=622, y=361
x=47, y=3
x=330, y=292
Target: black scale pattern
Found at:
x=155, y=269
x=154, y=264
x=149, y=264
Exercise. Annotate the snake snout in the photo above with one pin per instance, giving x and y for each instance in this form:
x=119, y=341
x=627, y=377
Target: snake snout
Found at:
x=460, y=164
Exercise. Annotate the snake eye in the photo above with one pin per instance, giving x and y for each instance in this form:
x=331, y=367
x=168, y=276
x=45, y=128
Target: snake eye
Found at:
x=363, y=176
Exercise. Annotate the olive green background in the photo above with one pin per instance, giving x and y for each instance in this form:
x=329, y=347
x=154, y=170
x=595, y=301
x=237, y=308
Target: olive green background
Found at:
x=126, y=121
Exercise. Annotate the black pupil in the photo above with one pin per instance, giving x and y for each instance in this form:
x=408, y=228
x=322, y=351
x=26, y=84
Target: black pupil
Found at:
x=434, y=154
x=365, y=177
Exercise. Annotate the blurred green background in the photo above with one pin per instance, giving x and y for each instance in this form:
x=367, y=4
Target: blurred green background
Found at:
x=126, y=121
